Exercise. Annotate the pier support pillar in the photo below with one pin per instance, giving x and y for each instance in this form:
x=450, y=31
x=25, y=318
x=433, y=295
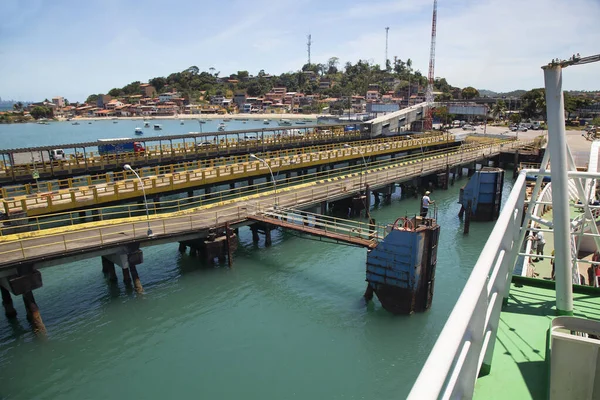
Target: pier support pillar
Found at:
x=33, y=314
x=108, y=268
x=367, y=200
x=250, y=181
x=182, y=247
x=268, y=240
x=137, y=284
x=126, y=277
x=232, y=185
x=9, y=309
x=255, y=237
x=323, y=208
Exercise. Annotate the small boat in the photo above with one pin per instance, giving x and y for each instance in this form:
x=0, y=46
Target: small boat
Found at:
x=266, y=122
x=146, y=124
x=43, y=123
x=307, y=120
x=89, y=123
x=202, y=121
x=221, y=127
x=115, y=122
x=181, y=122
x=226, y=119
x=75, y=123
x=300, y=123
x=138, y=131
x=285, y=122
x=157, y=127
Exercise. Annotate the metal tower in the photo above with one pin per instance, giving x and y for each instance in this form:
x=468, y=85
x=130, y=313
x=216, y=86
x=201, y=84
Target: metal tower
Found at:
x=387, y=28
x=308, y=44
x=429, y=94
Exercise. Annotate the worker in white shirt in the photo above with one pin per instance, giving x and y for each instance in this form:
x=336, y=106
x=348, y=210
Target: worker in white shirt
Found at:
x=425, y=202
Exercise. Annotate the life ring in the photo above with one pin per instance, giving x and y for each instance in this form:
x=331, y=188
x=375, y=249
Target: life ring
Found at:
x=407, y=224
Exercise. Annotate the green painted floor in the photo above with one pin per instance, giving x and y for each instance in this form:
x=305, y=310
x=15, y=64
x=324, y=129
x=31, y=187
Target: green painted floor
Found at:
x=518, y=367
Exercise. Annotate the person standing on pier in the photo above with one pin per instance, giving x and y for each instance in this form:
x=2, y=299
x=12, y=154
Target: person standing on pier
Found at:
x=425, y=202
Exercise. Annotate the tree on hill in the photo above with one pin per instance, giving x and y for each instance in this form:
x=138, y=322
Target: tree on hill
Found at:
x=91, y=99
x=534, y=103
x=41, y=112
x=498, y=109
x=470, y=93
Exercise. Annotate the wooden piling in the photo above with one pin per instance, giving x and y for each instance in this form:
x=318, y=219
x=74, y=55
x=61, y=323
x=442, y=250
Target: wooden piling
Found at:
x=467, y=218
x=137, y=284
x=229, y=251
x=33, y=314
x=126, y=276
x=9, y=309
x=182, y=247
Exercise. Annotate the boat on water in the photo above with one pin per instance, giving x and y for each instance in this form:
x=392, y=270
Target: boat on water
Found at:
x=202, y=121
x=221, y=127
x=285, y=122
x=139, y=131
x=157, y=127
x=181, y=122
x=226, y=119
x=266, y=121
x=43, y=123
x=115, y=122
x=75, y=123
x=527, y=324
x=146, y=124
x=300, y=123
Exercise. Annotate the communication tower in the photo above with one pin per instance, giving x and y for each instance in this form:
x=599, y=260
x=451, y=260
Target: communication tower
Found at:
x=429, y=94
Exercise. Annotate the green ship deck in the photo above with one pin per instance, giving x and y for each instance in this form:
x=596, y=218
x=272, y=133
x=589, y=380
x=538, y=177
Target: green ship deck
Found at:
x=519, y=369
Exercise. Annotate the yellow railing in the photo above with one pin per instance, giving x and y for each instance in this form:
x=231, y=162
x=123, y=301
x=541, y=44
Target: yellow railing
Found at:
x=203, y=200
x=85, y=196
x=177, y=149
x=13, y=191
x=18, y=247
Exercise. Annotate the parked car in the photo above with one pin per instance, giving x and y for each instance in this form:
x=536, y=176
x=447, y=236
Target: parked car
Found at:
x=204, y=144
x=514, y=128
x=522, y=128
x=468, y=127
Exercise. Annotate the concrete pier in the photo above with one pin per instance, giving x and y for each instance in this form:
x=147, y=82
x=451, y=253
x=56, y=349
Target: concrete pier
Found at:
x=9, y=309
x=33, y=314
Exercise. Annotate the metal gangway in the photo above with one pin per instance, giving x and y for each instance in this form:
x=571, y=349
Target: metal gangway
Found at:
x=337, y=229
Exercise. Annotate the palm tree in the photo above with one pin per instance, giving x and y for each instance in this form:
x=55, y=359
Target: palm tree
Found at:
x=498, y=109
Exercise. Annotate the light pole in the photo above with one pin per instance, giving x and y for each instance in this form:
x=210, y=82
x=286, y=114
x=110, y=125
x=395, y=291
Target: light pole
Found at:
x=347, y=146
x=272, y=176
x=127, y=167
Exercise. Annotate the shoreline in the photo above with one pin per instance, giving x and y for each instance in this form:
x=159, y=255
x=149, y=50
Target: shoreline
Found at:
x=204, y=116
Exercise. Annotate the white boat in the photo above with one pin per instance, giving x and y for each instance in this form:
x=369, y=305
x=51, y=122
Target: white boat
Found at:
x=157, y=127
x=285, y=122
x=266, y=122
x=138, y=131
x=221, y=127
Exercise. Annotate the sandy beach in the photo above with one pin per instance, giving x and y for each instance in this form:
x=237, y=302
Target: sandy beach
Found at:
x=210, y=116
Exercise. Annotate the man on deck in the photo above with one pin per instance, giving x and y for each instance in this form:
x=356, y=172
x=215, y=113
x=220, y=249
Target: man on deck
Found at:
x=425, y=202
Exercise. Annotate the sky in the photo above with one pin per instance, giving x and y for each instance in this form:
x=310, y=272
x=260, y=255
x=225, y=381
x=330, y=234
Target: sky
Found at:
x=76, y=48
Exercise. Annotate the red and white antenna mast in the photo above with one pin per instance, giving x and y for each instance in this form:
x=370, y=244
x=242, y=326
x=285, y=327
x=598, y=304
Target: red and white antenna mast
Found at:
x=429, y=94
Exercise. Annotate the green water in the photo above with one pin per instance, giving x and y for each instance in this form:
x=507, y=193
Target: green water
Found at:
x=287, y=322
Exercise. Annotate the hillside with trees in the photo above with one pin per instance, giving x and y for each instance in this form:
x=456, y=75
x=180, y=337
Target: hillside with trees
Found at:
x=347, y=80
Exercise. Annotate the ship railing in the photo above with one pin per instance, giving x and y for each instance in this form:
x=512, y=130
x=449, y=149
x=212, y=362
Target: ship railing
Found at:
x=465, y=346
x=466, y=342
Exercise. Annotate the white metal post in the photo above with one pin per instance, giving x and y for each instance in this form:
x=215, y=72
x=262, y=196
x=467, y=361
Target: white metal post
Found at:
x=560, y=193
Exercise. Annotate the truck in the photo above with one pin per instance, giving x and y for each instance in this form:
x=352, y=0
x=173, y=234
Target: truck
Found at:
x=105, y=147
x=36, y=156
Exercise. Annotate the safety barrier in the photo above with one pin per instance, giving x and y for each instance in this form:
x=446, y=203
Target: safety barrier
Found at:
x=55, y=201
x=169, y=182
x=62, y=240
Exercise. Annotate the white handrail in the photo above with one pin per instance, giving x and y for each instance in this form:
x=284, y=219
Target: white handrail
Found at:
x=467, y=339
